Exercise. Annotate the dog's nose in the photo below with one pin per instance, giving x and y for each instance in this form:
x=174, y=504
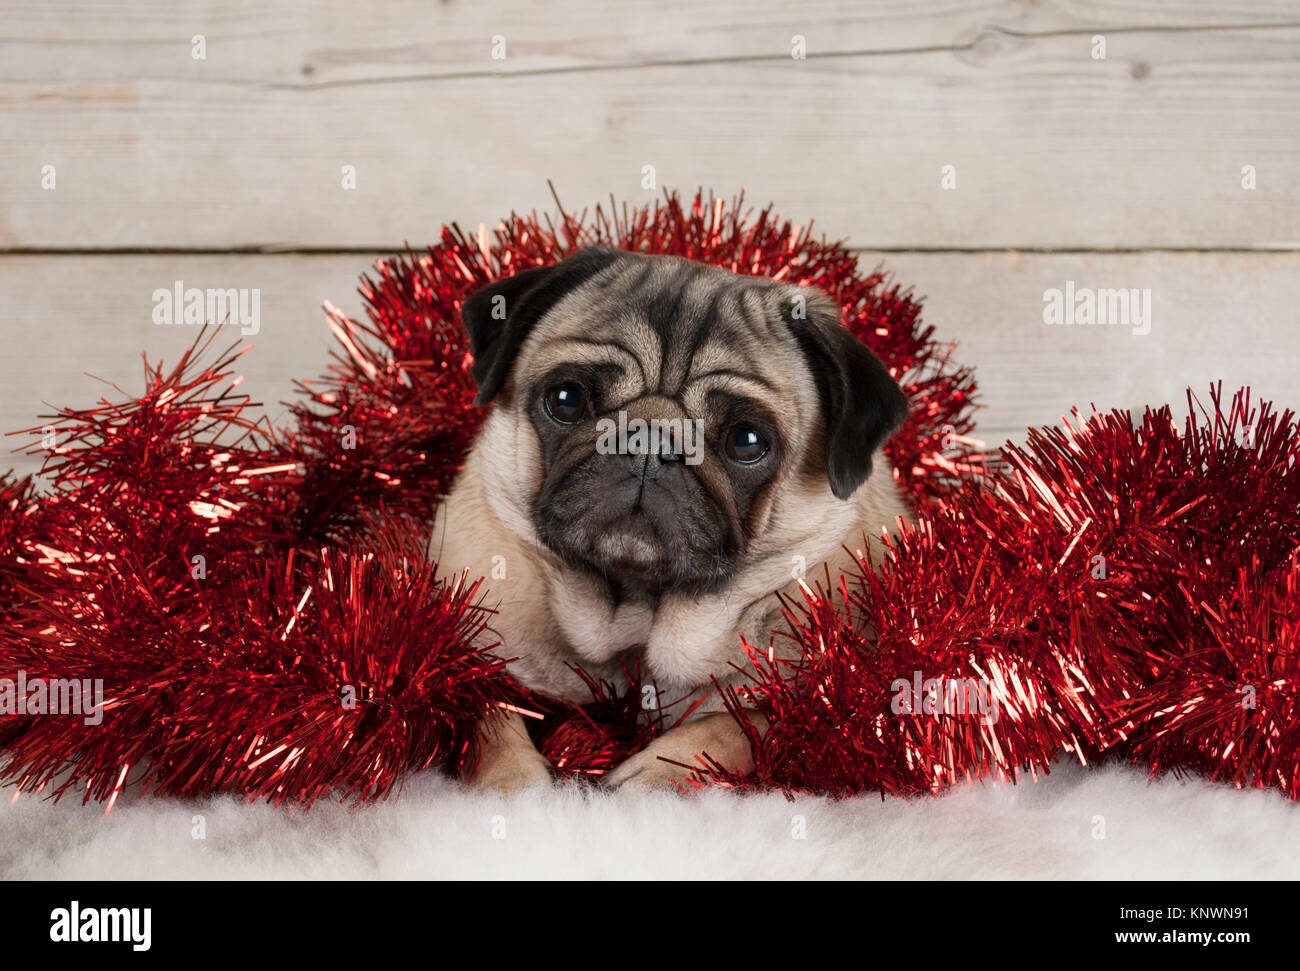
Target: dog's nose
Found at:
x=656, y=437
x=648, y=465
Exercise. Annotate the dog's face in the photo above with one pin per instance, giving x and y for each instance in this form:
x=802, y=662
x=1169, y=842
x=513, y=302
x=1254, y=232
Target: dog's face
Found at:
x=667, y=415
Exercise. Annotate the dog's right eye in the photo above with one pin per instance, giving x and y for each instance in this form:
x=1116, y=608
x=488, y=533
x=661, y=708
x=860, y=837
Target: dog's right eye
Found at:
x=565, y=403
x=746, y=444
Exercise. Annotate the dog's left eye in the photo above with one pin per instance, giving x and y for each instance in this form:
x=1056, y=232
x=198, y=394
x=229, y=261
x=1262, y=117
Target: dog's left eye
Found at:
x=746, y=444
x=565, y=403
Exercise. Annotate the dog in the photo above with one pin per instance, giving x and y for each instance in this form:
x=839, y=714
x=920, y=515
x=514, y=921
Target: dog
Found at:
x=607, y=541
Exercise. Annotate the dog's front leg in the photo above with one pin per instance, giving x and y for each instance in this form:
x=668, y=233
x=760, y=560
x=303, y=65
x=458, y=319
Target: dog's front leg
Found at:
x=716, y=734
x=507, y=759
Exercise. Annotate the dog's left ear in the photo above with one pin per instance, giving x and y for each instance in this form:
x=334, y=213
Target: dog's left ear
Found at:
x=862, y=403
x=500, y=316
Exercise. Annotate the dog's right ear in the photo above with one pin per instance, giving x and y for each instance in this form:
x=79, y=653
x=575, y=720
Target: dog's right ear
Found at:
x=500, y=317
x=862, y=402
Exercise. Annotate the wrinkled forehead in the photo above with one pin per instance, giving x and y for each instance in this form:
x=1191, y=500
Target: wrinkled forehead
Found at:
x=676, y=328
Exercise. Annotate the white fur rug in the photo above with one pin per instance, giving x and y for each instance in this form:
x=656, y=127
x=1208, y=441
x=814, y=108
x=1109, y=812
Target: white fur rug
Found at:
x=1087, y=824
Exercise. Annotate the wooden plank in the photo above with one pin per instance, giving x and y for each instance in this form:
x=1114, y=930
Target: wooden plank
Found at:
x=1214, y=316
x=66, y=318
x=1052, y=149
x=1229, y=316
x=288, y=42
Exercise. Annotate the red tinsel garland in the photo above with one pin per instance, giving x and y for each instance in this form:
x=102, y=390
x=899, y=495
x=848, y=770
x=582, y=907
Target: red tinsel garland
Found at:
x=256, y=604
x=1114, y=589
x=228, y=660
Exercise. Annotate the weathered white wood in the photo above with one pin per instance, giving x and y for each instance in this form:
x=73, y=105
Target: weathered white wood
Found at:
x=1214, y=316
x=1052, y=148
x=330, y=41
x=1230, y=316
x=62, y=318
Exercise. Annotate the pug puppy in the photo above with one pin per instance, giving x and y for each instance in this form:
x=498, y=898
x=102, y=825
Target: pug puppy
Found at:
x=616, y=543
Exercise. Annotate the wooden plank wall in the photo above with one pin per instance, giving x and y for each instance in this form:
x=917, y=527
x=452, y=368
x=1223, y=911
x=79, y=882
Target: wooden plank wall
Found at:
x=226, y=170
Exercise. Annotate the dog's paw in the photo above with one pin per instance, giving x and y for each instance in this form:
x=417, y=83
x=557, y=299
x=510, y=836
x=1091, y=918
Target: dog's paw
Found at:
x=646, y=772
x=513, y=773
